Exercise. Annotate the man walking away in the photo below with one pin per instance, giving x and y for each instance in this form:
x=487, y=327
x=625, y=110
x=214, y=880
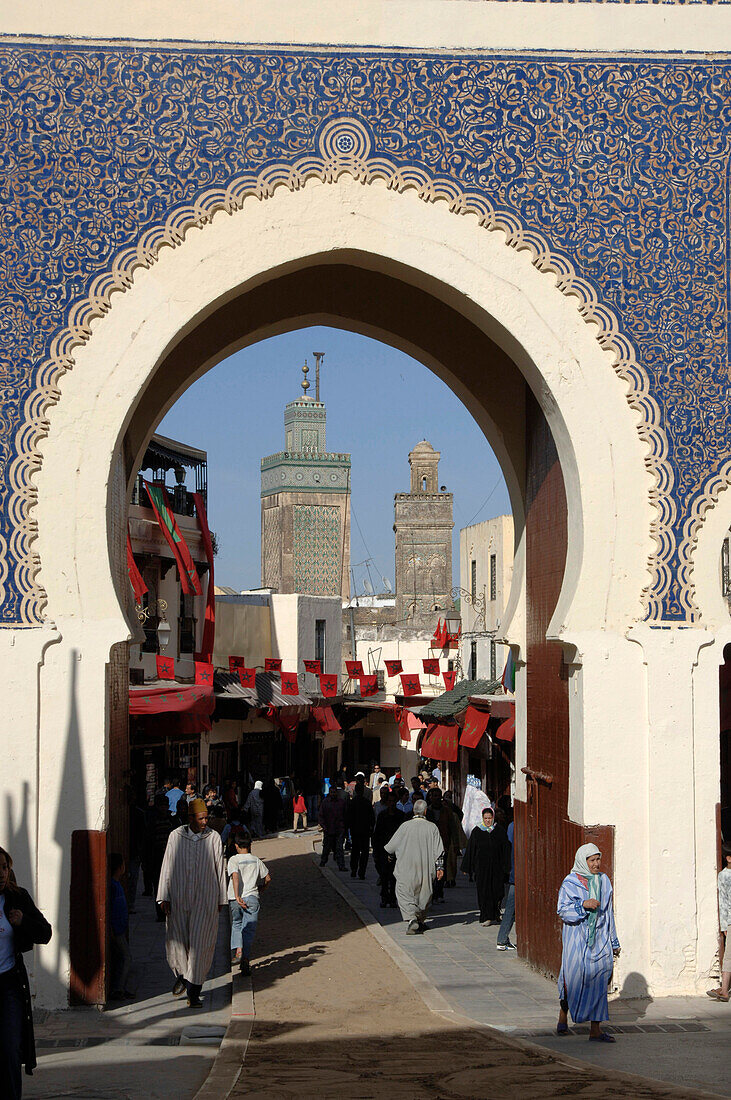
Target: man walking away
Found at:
x=173, y=794
x=191, y=893
x=386, y=825
x=419, y=854
x=503, y=936
x=332, y=820
x=359, y=819
x=384, y=793
x=248, y=875
x=254, y=807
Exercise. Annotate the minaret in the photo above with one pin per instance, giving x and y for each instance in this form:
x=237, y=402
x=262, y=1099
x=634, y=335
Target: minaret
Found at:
x=423, y=524
x=305, y=505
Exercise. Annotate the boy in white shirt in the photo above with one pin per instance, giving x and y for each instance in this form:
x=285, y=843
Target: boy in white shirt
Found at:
x=247, y=876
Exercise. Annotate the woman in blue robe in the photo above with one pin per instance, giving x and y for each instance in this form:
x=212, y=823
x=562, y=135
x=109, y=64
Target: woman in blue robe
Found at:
x=589, y=944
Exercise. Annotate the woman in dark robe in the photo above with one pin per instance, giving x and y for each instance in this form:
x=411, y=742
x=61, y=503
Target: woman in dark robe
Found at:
x=21, y=926
x=488, y=859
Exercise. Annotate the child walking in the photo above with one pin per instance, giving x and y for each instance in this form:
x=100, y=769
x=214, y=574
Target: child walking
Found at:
x=247, y=876
x=299, y=808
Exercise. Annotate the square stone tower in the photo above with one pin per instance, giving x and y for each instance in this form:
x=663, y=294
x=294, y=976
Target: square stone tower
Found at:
x=423, y=525
x=305, y=507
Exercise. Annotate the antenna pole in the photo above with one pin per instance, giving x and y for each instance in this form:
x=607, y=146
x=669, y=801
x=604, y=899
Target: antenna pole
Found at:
x=319, y=356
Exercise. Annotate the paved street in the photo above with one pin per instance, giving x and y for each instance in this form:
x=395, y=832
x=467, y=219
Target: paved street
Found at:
x=142, y=1050
x=681, y=1040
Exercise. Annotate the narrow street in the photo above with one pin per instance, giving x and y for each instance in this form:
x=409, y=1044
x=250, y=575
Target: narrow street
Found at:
x=336, y=1017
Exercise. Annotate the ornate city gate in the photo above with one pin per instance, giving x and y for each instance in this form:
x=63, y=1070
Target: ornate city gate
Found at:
x=547, y=231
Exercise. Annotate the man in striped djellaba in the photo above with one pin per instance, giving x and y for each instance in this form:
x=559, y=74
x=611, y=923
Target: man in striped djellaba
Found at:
x=191, y=893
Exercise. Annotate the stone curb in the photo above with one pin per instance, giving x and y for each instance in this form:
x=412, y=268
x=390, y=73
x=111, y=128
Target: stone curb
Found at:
x=229, y=1062
x=436, y=1002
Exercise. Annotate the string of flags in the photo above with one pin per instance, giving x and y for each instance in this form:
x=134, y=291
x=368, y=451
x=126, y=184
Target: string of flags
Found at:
x=410, y=682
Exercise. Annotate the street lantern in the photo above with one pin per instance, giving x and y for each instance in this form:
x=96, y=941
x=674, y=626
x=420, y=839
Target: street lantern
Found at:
x=453, y=621
x=163, y=633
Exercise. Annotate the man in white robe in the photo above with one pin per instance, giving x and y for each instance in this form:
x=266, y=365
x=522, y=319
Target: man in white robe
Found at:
x=417, y=846
x=191, y=892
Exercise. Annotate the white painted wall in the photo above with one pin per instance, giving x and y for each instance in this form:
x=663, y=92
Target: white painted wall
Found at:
x=476, y=544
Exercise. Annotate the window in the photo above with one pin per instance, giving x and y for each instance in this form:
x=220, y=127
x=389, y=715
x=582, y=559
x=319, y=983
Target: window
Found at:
x=473, y=660
x=320, y=641
x=493, y=576
x=186, y=624
x=493, y=661
x=423, y=485
x=473, y=579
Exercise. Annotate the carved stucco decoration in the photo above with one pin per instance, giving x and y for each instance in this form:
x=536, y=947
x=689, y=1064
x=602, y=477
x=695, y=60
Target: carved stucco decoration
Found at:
x=612, y=174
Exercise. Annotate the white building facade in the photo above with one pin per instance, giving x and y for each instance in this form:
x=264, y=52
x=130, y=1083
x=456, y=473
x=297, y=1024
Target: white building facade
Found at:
x=486, y=552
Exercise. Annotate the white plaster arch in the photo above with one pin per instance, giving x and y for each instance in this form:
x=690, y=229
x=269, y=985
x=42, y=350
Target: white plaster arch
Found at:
x=521, y=309
x=706, y=565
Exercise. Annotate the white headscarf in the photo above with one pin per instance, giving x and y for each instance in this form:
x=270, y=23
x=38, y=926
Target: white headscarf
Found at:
x=258, y=785
x=581, y=867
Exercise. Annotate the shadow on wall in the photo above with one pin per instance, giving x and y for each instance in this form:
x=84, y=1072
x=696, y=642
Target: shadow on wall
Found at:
x=635, y=996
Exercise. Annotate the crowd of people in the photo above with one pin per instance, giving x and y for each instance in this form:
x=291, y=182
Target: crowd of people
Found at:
x=195, y=853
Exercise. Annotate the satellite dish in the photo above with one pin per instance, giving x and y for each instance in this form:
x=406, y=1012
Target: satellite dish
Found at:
x=368, y=587
x=387, y=584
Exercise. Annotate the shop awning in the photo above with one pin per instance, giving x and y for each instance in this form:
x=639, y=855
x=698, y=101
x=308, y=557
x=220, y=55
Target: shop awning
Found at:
x=181, y=708
x=441, y=743
x=475, y=724
x=268, y=691
x=506, y=730
x=450, y=703
x=325, y=719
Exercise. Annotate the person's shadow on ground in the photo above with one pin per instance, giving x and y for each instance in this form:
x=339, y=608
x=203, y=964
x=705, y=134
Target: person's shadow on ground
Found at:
x=275, y=968
x=635, y=996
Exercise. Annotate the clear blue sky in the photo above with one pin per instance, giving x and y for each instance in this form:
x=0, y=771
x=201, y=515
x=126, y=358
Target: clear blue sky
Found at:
x=379, y=401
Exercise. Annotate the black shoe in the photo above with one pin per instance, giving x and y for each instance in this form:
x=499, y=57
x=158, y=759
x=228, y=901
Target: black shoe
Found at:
x=179, y=987
x=245, y=967
x=195, y=1002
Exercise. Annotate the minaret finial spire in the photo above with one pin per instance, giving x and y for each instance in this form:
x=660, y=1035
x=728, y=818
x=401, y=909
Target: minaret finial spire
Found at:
x=319, y=356
x=305, y=383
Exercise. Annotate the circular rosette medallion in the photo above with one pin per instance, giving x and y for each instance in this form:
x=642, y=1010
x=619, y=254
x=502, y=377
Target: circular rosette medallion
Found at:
x=345, y=142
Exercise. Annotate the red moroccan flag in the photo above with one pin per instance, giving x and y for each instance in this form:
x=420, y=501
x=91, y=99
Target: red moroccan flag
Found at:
x=290, y=683
x=475, y=724
x=235, y=663
x=402, y=720
x=138, y=585
x=431, y=666
x=165, y=516
x=209, y=622
x=272, y=664
x=369, y=685
x=165, y=668
x=410, y=684
x=313, y=666
x=247, y=677
x=328, y=685
x=450, y=679
x=204, y=673
x=355, y=669
x=437, y=638
x=394, y=667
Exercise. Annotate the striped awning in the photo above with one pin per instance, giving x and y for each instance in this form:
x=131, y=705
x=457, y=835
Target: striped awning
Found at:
x=268, y=691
